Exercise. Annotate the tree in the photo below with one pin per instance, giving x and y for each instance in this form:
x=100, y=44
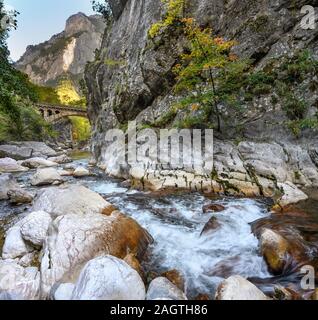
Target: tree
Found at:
x=18, y=119
x=103, y=8
x=207, y=64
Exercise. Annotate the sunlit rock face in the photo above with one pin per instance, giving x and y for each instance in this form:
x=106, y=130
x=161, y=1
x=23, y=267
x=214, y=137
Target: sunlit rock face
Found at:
x=133, y=80
x=66, y=52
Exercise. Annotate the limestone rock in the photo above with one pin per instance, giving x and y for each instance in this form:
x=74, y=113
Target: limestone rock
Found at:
x=109, y=278
x=19, y=196
x=38, y=162
x=73, y=199
x=292, y=194
x=25, y=150
x=14, y=245
x=46, y=176
x=34, y=227
x=62, y=159
x=238, y=288
x=18, y=283
x=8, y=165
x=81, y=172
x=7, y=183
x=75, y=239
x=162, y=289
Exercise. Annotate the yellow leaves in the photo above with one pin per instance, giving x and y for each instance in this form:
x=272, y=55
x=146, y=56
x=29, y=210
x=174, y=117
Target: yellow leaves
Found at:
x=174, y=13
x=195, y=107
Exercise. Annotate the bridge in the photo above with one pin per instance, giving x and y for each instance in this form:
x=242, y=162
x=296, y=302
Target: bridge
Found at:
x=53, y=113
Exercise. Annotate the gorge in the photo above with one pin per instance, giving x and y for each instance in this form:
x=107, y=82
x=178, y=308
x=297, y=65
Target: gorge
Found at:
x=74, y=225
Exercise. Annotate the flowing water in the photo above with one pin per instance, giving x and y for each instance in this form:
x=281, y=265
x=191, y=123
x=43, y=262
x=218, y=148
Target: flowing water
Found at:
x=176, y=222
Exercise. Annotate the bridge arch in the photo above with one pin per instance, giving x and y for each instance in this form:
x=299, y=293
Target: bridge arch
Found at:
x=53, y=113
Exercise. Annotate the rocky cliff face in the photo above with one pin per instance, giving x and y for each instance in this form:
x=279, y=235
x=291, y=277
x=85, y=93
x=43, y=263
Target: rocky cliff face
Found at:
x=132, y=79
x=65, y=53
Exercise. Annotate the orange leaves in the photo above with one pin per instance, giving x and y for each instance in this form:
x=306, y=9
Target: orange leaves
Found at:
x=195, y=107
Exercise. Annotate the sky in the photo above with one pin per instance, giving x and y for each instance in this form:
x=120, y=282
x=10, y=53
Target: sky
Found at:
x=39, y=20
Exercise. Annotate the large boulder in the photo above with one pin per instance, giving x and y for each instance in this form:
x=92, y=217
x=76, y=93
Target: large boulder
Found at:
x=109, y=278
x=238, y=288
x=292, y=194
x=274, y=249
x=8, y=165
x=35, y=226
x=7, y=183
x=38, y=162
x=26, y=150
x=74, y=199
x=74, y=239
x=18, y=283
x=14, y=245
x=162, y=289
x=19, y=196
x=46, y=176
x=28, y=232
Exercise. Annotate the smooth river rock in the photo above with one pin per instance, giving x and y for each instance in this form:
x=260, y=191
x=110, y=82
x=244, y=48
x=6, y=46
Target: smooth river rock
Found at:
x=46, y=176
x=38, y=162
x=18, y=283
x=238, y=288
x=62, y=159
x=75, y=239
x=162, y=289
x=72, y=199
x=109, y=278
x=34, y=227
x=8, y=165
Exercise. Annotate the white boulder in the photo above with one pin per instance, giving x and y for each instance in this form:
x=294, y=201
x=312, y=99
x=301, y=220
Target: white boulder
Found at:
x=109, y=278
x=81, y=172
x=8, y=165
x=74, y=199
x=162, y=289
x=238, y=288
x=34, y=227
x=46, y=176
x=14, y=245
x=18, y=283
x=38, y=162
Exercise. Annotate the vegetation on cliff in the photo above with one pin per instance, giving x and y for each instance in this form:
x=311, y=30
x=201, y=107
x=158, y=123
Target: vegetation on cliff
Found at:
x=217, y=88
x=18, y=119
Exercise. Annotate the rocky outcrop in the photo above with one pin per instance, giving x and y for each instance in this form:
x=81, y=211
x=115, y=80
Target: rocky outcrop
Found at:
x=26, y=150
x=65, y=53
x=137, y=82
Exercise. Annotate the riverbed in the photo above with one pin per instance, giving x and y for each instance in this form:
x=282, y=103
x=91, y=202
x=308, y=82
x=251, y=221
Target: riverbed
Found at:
x=175, y=222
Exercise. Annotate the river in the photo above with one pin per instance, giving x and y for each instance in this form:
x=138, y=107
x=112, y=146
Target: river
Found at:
x=176, y=222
